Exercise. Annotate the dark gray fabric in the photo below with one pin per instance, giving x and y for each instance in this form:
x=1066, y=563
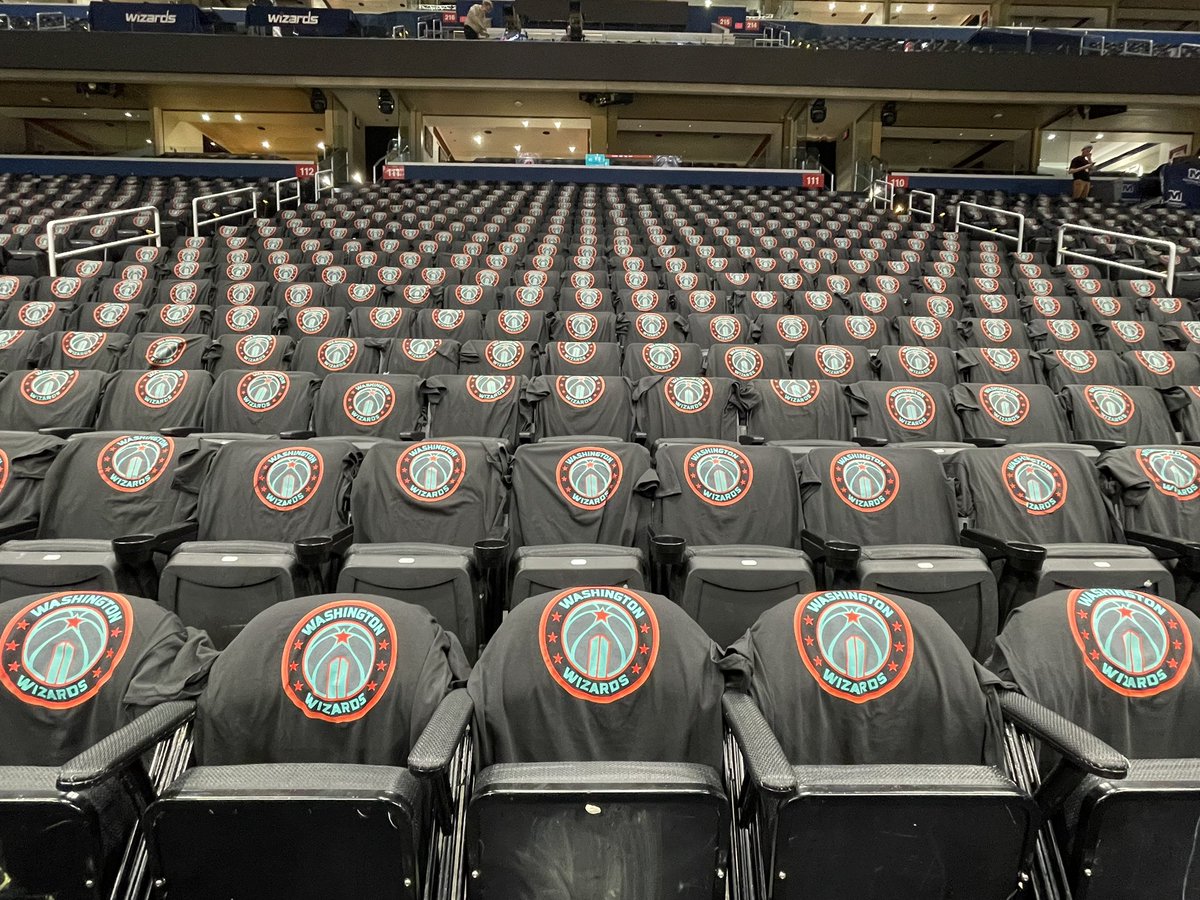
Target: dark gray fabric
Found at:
x=796, y=409
x=260, y=401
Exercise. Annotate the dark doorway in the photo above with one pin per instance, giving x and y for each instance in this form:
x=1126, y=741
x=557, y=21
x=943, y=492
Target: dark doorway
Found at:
x=377, y=139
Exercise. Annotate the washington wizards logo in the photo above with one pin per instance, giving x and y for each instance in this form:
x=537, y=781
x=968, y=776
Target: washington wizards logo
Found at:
x=1144, y=288
x=127, y=290
x=490, y=388
x=431, y=471
x=529, y=296
x=864, y=481
x=910, y=407
x=1172, y=471
x=1155, y=361
x=5, y=470
x=159, y=389
x=858, y=645
x=110, y=315
x=312, y=321
x=834, y=361
x=796, y=392
x=9, y=336
x=504, y=354
x=184, y=292
x=43, y=386
x=1132, y=642
x=263, y=391
x=298, y=295
x=688, y=395
x=287, y=479
x=255, y=349
x=1078, y=361
x=926, y=327
x=917, y=361
x=792, y=329
x=66, y=288
x=725, y=329
x=242, y=319
x=579, y=391
x=661, y=358
x=874, y=304
x=383, y=317
x=1064, y=329
x=702, y=301
x=165, y=351
x=644, y=301
x=587, y=477
x=361, y=293
x=368, y=402
x=1110, y=404
x=1035, y=483
x=82, y=344
x=133, y=462
x=651, y=325
x=1003, y=403
x=764, y=301
x=35, y=313
x=337, y=354
x=241, y=294
x=339, y=660
x=1167, y=305
x=514, y=321
x=718, y=475
x=995, y=330
x=599, y=643
x=581, y=326
x=60, y=650
x=1130, y=332
x=994, y=303
x=1108, y=307
x=176, y=316
x=1047, y=306
x=576, y=352
x=743, y=363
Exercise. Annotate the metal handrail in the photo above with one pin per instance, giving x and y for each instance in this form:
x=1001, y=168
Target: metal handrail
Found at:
x=1019, y=237
x=196, y=223
x=931, y=212
x=53, y=225
x=1172, y=248
x=883, y=189
x=279, y=201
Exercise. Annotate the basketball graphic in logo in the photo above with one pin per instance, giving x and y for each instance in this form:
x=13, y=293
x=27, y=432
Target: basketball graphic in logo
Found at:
x=431, y=471
x=1066, y=330
x=242, y=318
x=702, y=301
x=241, y=294
x=312, y=321
x=44, y=386
x=159, y=389
x=529, y=296
x=1110, y=404
x=917, y=361
x=927, y=328
x=588, y=298
x=873, y=303
x=1144, y=288
x=61, y=649
x=650, y=325
x=856, y=644
x=994, y=303
x=1173, y=471
x=186, y=270
x=285, y=273
x=1130, y=332
x=644, y=301
x=910, y=407
x=361, y=293
x=579, y=391
x=764, y=301
x=1089, y=286
x=337, y=354
x=263, y=391
x=796, y=391
x=1132, y=642
x=1155, y=361
x=1002, y=359
x=1078, y=361
x=127, y=290
x=287, y=479
x=725, y=329
x=448, y=319
x=599, y=643
x=504, y=355
x=36, y=313
x=1040, y=287
x=581, y=326
x=939, y=307
x=490, y=388
x=995, y=330
x=688, y=395
x=184, y=292
x=339, y=660
x=818, y=301
x=1003, y=403
x=1167, y=305
x=255, y=349
x=743, y=363
x=661, y=358
x=82, y=344
x=1035, y=483
x=834, y=361
x=66, y=288
x=864, y=481
x=576, y=352
x=133, y=462
x=176, y=316
x=792, y=329
x=334, y=274
x=588, y=476
x=298, y=295
x=514, y=321
x=718, y=475
x=933, y=284
x=1108, y=307
x=420, y=349
x=384, y=317
x=368, y=403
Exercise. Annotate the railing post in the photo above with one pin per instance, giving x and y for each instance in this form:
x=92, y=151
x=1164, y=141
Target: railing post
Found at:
x=53, y=256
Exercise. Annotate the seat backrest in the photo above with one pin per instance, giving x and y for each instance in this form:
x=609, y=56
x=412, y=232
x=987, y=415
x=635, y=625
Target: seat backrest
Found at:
x=1157, y=486
x=901, y=411
x=686, y=407
x=44, y=398
x=260, y=401
x=154, y=400
x=1016, y=413
x=24, y=461
x=877, y=495
x=1132, y=413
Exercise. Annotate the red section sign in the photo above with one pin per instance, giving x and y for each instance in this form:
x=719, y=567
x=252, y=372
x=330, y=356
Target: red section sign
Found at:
x=306, y=170
x=725, y=21
x=813, y=181
x=393, y=173
x=899, y=182
x=450, y=18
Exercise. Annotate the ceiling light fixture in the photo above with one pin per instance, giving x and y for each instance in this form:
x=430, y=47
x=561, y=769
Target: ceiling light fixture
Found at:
x=266, y=145
x=571, y=149
x=1099, y=136
x=1051, y=137
x=478, y=139
x=525, y=123
x=237, y=117
x=558, y=124
x=129, y=115
x=205, y=117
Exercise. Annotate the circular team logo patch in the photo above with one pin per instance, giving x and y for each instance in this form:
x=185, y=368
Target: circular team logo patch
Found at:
x=60, y=650
x=159, y=389
x=1155, y=361
x=263, y=391
x=339, y=660
x=490, y=388
x=1064, y=329
x=1078, y=361
x=927, y=328
x=579, y=391
x=1002, y=359
x=165, y=351
x=796, y=391
x=1035, y=483
x=504, y=354
x=834, y=361
x=82, y=344
x=44, y=386
x=312, y=321
x=287, y=479
x=242, y=318
x=856, y=644
x=792, y=329
x=514, y=321
x=1003, y=403
x=1173, y=471
x=255, y=349
x=1132, y=642
x=133, y=462
x=718, y=475
x=588, y=476
x=575, y=352
x=176, y=316
x=743, y=363
x=599, y=643
x=688, y=395
x=917, y=361
x=1108, y=307
x=725, y=329
x=661, y=358
x=1130, y=332
x=337, y=354
x=650, y=325
x=35, y=313
x=420, y=349
x=996, y=330
x=1109, y=404
x=368, y=403
x=431, y=471
x=110, y=315
x=911, y=407
x=864, y=481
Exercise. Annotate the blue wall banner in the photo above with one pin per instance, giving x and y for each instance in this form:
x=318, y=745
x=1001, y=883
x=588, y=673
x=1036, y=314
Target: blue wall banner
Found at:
x=302, y=20
x=1181, y=183
x=145, y=17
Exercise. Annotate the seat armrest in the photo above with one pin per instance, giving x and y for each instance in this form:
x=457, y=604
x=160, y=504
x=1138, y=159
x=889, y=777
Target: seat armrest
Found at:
x=139, y=549
x=841, y=556
x=986, y=441
x=303, y=434
x=436, y=746
x=1080, y=748
x=640, y=437
x=867, y=441
x=766, y=763
x=180, y=431
x=318, y=549
x=124, y=746
x=1187, y=552
x=24, y=529
x=751, y=440
x=65, y=431
x=1102, y=445
x=1022, y=556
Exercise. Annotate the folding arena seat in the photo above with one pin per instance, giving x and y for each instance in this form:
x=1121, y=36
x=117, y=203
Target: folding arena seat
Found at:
x=50, y=398
x=516, y=325
x=831, y=361
x=191, y=291
x=177, y=318
x=788, y=330
x=460, y=325
x=860, y=506
x=1101, y=308
x=15, y=287
x=872, y=304
x=1164, y=310
x=528, y=298
x=1014, y=413
x=292, y=509
x=138, y=292
x=1134, y=415
x=451, y=497
x=107, y=506
x=686, y=407
x=579, y=509
x=901, y=412
x=154, y=400
x=585, y=326
x=1124, y=335
x=1039, y=513
x=1121, y=664
x=654, y=328
x=590, y=299
x=97, y=350
x=725, y=532
x=643, y=360
x=1163, y=368
x=293, y=295
x=596, y=714
x=24, y=459
x=485, y=405
x=582, y=358
x=241, y=320
x=324, y=758
x=922, y=331
x=644, y=300
x=566, y=405
x=992, y=332
x=1067, y=367
x=704, y=302
x=499, y=358
x=849, y=734
x=82, y=716
x=314, y=321
x=242, y=293
x=339, y=354
x=152, y=350
x=63, y=289
x=385, y=407
x=18, y=349
x=817, y=303
x=36, y=315
x=1004, y=365
x=260, y=401
x=917, y=364
x=1000, y=305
